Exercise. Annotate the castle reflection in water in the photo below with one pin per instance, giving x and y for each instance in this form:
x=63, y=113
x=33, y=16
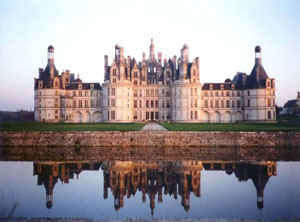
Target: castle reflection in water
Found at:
x=153, y=178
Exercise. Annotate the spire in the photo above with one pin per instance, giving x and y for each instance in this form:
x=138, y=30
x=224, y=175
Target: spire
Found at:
x=152, y=54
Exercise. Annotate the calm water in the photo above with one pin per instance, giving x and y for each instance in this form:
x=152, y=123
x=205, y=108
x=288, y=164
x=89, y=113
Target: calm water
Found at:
x=179, y=188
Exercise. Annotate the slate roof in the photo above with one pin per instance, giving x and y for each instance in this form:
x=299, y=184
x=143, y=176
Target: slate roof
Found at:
x=239, y=80
x=216, y=86
x=257, y=78
x=73, y=86
x=292, y=103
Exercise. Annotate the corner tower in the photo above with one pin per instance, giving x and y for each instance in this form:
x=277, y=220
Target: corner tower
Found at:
x=259, y=94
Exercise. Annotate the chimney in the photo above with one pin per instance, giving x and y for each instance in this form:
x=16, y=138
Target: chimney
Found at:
x=298, y=95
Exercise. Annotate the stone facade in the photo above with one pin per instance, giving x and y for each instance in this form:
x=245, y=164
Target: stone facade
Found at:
x=154, y=89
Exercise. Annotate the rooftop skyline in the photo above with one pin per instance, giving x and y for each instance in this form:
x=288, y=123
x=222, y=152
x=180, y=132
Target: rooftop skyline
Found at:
x=223, y=34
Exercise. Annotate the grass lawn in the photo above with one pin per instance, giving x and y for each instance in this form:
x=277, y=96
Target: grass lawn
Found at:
x=232, y=127
x=36, y=126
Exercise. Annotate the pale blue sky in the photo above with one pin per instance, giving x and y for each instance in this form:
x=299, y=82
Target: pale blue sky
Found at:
x=222, y=33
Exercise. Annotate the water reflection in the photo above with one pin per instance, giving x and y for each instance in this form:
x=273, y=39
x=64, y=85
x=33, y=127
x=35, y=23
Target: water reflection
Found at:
x=155, y=179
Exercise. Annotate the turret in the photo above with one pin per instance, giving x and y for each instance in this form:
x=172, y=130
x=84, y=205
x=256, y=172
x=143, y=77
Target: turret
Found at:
x=51, y=61
x=106, y=73
x=258, y=55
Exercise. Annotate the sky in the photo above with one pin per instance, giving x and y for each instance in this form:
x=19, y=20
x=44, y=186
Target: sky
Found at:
x=222, y=33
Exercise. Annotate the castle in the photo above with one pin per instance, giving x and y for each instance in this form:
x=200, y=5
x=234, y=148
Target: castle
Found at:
x=153, y=89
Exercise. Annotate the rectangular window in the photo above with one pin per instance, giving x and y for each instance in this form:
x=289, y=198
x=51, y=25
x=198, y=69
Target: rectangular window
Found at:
x=113, y=91
x=113, y=115
x=80, y=104
x=86, y=104
x=80, y=93
x=191, y=115
x=168, y=104
x=233, y=103
x=222, y=104
x=217, y=103
x=74, y=93
x=147, y=115
x=156, y=104
x=140, y=103
x=147, y=92
x=113, y=102
x=249, y=102
x=156, y=115
x=86, y=93
x=135, y=93
x=147, y=104
x=196, y=115
x=211, y=103
x=152, y=104
x=206, y=104
x=227, y=103
x=135, y=104
x=238, y=103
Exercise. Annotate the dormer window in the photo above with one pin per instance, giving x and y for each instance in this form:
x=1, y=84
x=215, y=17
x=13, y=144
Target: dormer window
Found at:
x=40, y=84
x=80, y=86
x=92, y=86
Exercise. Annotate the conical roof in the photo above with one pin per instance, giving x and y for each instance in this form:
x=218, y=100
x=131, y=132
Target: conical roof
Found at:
x=257, y=78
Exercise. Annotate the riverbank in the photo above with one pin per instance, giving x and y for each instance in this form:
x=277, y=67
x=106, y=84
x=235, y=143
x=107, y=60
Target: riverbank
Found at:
x=148, y=139
x=197, y=127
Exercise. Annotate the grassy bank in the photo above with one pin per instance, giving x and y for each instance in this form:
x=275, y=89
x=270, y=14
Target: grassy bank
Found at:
x=35, y=126
x=245, y=127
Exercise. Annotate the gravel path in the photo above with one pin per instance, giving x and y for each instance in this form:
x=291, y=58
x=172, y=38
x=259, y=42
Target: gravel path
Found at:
x=153, y=126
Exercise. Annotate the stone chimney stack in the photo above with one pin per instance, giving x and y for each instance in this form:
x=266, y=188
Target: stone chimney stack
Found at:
x=159, y=57
x=152, y=48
